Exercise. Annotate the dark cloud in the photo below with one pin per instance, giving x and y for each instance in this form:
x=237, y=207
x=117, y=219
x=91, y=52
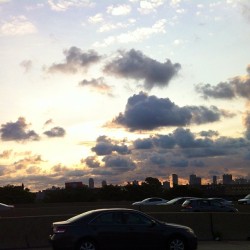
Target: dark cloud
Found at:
x=247, y=125
x=97, y=85
x=106, y=146
x=209, y=133
x=145, y=112
x=158, y=159
x=55, y=132
x=164, y=141
x=119, y=163
x=201, y=114
x=179, y=163
x=17, y=131
x=91, y=162
x=135, y=65
x=197, y=163
x=75, y=59
x=143, y=143
x=238, y=86
x=221, y=91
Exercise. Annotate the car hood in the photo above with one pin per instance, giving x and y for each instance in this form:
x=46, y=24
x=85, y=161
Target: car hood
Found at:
x=244, y=199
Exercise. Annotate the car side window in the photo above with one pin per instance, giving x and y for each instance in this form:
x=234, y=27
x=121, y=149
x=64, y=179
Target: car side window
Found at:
x=112, y=218
x=137, y=219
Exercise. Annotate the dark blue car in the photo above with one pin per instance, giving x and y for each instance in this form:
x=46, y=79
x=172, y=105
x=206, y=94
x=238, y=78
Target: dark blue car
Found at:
x=120, y=228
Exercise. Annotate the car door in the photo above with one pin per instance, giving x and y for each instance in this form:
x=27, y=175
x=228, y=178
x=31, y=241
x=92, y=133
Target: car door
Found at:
x=110, y=231
x=142, y=232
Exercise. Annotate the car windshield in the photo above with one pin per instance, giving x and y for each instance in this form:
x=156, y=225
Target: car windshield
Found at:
x=173, y=201
x=248, y=196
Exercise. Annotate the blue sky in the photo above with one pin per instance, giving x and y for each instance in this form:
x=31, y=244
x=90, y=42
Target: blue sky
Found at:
x=122, y=91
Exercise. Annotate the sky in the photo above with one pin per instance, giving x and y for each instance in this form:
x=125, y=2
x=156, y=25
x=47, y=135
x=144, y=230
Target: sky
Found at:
x=123, y=90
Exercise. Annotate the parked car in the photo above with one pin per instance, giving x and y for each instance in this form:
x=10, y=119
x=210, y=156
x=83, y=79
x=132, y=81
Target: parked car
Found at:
x=206, y=205
x=178, y=201
x=120, y=228
x=223, y=201
x=150, y=201
x=245, y=200
x=4, y=207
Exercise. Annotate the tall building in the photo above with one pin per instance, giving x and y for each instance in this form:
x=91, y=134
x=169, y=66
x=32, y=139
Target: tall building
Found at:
x=227, y=179
x=175, y=180
x=104, y=183
x=214, y=180
x=91, y=183
x=194, y=180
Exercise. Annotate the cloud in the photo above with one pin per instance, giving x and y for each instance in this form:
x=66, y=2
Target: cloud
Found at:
x=209, y=133
x=119, y=164
x=137, y=35
x=106, y=146
x=119, y=10
x=97, y=85
x=98, y=18
x=91, y=161
x=143, y=143
x=55, y=132
x=27, y=65
x=221, y=91
x=6, y=154
x=63, y=5
x=149, y=6
x=17, y=131
x=76, y=60
x=135, y=65
x=179, y=163
x=158, y=159
x=238, y=86
x=17, y=26
x=145, y=112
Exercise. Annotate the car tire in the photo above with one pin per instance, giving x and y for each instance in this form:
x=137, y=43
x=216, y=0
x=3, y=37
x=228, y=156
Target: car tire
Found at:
x=176, y=243
x=87, y=245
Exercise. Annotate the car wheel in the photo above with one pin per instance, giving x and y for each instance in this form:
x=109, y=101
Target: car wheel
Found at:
x=87, y=245
x=176, y=243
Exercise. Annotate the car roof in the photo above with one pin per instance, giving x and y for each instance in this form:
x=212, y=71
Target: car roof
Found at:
x=94, y=212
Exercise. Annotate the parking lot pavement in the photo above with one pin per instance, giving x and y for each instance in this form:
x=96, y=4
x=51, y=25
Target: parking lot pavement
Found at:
x=202, y=245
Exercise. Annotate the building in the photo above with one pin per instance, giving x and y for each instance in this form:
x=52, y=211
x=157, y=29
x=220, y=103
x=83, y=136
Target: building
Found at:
x=91, y=183
x=166, y=185
x=175, y=180
x=104, y=183
x=75, y=184
x=194, y=180
x=227, y=179
x=214, y=180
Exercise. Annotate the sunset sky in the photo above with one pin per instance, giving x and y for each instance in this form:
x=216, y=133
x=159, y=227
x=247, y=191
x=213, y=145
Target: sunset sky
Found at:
x=123, y=90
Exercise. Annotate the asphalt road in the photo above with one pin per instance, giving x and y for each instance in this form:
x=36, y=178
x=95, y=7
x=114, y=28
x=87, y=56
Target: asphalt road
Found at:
x=202, y=245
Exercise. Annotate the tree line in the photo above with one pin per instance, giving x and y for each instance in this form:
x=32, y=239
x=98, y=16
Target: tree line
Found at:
x=151, y=187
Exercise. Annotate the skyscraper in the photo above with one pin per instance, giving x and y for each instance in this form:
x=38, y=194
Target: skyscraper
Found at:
x=214, y=180
x=227, y=179
x=91, y=183
x=175, y=180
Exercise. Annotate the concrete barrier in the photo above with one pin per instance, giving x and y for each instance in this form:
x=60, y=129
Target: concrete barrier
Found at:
x=18, y=232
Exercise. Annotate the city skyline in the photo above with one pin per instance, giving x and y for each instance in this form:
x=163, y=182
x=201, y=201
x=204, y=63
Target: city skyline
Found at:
x=122, y=91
